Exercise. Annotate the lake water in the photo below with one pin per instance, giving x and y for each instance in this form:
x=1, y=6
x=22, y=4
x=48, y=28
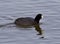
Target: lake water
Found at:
x=12, y=9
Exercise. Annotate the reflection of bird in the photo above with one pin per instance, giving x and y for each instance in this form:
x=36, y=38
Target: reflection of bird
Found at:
x=28, y=22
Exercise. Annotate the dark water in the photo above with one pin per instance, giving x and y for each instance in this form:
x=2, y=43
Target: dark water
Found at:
x=12, y=9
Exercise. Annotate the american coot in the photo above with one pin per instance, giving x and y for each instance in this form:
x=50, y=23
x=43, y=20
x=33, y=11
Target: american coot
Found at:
x=28, y=22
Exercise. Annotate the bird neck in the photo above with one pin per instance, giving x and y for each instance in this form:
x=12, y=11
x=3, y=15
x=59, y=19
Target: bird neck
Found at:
x=37, y=20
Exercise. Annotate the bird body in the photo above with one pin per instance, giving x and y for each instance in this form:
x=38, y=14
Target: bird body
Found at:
x=25, y=22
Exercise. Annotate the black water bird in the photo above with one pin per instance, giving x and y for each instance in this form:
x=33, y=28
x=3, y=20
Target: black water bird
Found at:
x=28, y=22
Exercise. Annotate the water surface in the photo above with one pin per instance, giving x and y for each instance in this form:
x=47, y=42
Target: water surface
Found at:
x=12, y=9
